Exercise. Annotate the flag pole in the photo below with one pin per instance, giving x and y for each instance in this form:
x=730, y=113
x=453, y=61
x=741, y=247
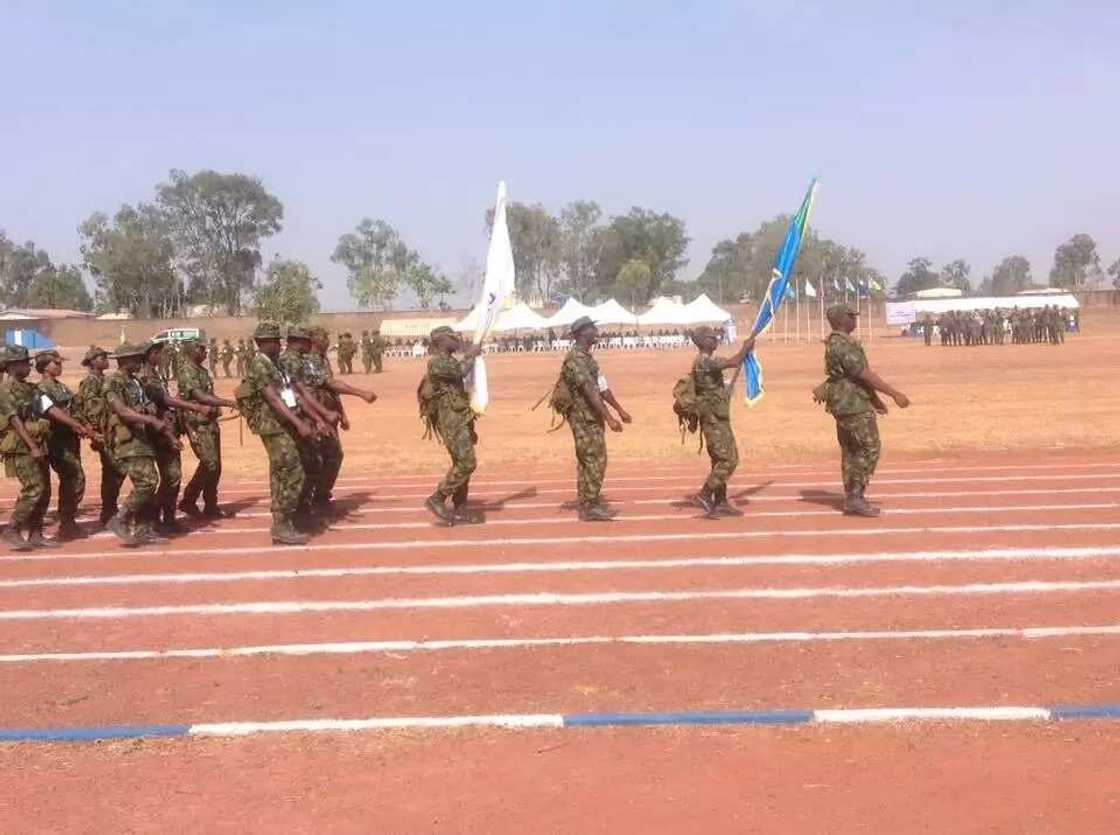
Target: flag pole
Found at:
x=797, y=313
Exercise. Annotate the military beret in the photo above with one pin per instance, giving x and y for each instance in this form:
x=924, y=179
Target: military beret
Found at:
x=93, y=353
x=298, y=332
x=579, y=324
x=13, y=353
x=266, y=330
x=442, y=330
x=840, y=310
x=127, y=349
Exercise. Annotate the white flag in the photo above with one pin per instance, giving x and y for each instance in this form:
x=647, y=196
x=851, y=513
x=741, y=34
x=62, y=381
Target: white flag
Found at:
x=810, y=291
x=497, y=287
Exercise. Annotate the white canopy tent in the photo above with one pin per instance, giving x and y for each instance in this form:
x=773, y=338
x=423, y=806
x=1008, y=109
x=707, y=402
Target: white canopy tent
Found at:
x=567, y=314
x=665, y=312
x=703, y=309
x=612, y=313
x=906, y=313
x=518, y=317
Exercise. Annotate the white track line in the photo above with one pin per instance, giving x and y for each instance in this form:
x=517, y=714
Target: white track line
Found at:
x=472, y=644
x=606, y=539
x=776, y=560
x=545, y=598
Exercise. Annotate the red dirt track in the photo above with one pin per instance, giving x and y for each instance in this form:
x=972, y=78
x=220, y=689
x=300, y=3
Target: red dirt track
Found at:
x=390, y=565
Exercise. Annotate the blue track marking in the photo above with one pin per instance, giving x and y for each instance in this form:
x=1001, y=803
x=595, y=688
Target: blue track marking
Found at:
x=92, y=734
x=1086, y=712
x=729, y=717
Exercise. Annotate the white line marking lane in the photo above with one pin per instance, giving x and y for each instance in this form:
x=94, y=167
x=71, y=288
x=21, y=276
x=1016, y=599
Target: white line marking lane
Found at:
x=469, y=644
x=576, y=566
x=546, y=598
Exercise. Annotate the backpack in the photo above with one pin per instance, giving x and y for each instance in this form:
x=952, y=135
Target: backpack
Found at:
x=427, y=400
x=687, y=408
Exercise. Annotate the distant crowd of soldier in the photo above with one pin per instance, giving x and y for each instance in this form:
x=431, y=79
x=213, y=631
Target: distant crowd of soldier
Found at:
x=371, y=346
x=995, y=327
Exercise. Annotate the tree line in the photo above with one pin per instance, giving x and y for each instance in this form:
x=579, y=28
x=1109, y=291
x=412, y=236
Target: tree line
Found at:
x=198, y=242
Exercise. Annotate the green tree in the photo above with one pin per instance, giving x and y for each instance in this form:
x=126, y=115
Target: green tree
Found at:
x=377, y=262
x=534, y=237
x=60, y=287
x=288, y=293
x=918, y=276
x=1075, y=262
x=426, y=284
x=659, y=240
x=633, y=282
x=955, y=274
x=1011, y=275
x=19, y=267
x=131, y=260
x=1114, y=271
x=580, y=246
x=219, y=221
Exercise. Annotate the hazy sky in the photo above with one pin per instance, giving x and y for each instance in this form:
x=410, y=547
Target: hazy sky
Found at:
x=952, y=129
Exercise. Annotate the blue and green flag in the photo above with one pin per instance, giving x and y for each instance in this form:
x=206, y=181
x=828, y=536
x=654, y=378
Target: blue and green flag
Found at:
x=780, y=279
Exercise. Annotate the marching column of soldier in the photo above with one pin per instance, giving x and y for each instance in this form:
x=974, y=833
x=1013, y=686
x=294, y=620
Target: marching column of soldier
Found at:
x=999, y=326
x=291, y=400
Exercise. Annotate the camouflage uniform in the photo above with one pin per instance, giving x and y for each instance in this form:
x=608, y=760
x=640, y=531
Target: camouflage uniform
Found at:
x=346, y=354
x=318, y=374
x=132, y=447
x=169, y=459
x=21, y=399
x=852, y=404
x=226, y=357
x=239, y=355
x=204, y=435
x=294, y=366
x=588, y=431
x=715, y=423
x=378, y=346
x=212, y=356
x=92, y=410
x=285, y=470
x=455, y=424
x=366, y=344
x=65, y=452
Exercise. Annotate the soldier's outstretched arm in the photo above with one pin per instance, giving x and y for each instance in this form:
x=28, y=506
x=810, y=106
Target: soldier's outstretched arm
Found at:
x=311, y=403
x=208, y=399
x=179, y=403
x=591, y=392
x=342, y=387
x=623, y=415
x=131, y=415
x=57, y=415
x=736, y=359
x=879, y=384
x=272, y=397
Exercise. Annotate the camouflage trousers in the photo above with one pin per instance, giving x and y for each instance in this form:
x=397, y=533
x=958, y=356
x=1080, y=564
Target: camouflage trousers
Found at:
x=367, y=362
x=206, y=442
x=142, y=472
x=111, y=481
x=169, y=462
x=377, y=363
x=859, y=448
x=720, y=440
x=311, y=461
x=591, y=459
x=65, y=458
x=459, y=438
x=285, y=472
x=34, y=490
x=330, y=460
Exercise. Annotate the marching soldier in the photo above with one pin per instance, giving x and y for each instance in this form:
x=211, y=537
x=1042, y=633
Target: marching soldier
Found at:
x=268, y=403
x=590, y=396
x=212, y=353
x=197, y=386
x=345, y=353
x=25, y=417
x=851, y=395
x=448, y=410
x=64, y=447
x=377, y=348
x=93, y=411
x=226, y=357
x=168, y=448
x=366, y=344
x=326, y=390
x=713, y=407
x=239, y=355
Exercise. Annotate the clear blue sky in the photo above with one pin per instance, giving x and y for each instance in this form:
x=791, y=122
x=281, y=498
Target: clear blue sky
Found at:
x=953, y=129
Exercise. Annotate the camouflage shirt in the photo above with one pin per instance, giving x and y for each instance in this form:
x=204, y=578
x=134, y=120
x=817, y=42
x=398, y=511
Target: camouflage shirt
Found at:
x=844, y=361
x=128, y=441
x=318, y=374
x=63, y=398
x=193, y=376
x=261, y=373
x=580, y=368
x=90, y=406
x=711, y=394
x=20, y=399
x=447, y=375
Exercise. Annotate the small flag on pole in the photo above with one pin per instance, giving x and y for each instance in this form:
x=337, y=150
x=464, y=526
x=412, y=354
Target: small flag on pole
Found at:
x=810, y=291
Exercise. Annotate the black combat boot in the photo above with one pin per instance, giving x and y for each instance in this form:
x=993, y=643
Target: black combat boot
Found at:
x=723, y=506
x=436, y=504
x=14, y=540
x=856, y=505
x=706, y=501
x=284, y=534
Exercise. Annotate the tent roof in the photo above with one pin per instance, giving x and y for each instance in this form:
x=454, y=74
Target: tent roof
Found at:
x=612, y=313
x=572, y=310
x=703, y=309
x=665, y=312
x=520, y=317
